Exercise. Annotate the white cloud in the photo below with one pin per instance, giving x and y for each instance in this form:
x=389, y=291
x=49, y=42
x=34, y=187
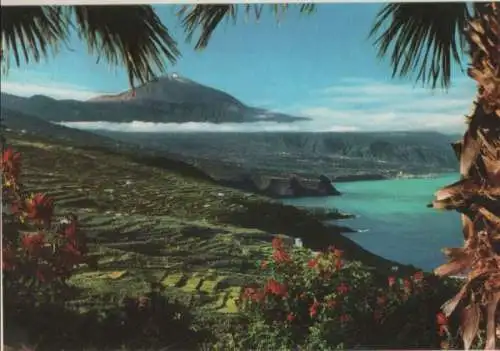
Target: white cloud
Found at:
x=151, y=127
x=55, y=90
x=371, y=105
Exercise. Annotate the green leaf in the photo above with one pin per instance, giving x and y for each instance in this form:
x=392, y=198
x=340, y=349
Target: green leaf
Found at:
x=422, y=37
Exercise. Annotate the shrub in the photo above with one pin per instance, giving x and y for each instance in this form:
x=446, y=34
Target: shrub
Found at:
x=319, y=302
x=39, y=251
x=148, y=321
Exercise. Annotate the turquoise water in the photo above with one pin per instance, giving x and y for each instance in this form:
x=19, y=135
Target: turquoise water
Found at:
x=393, y=220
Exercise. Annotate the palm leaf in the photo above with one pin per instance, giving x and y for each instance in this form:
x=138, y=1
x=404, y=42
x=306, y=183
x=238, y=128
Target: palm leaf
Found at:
x=30, y=31
x=206, y=18
x=129, y=35
x=424, y=37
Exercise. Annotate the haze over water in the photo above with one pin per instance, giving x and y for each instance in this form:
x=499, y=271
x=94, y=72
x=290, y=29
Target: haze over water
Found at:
x=394, y=220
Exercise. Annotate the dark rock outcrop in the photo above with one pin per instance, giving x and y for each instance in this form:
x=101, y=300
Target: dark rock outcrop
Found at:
x=284, y=187
x=325, y=186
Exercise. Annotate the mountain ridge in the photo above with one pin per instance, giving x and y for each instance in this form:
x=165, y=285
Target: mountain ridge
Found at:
x=165, y=100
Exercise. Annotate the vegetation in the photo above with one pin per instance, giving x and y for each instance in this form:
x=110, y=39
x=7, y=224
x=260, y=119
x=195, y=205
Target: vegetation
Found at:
x=31, y=31
x=153, y=224
x=128, y=258
x=477, y=195
x=277, y=155
x=322, y=302
x=426, y=39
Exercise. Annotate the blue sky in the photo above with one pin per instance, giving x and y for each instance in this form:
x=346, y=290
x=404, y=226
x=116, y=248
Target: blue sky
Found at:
x=322, y=66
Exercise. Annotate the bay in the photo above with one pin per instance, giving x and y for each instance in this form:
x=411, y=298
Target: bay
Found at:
x=392, y=218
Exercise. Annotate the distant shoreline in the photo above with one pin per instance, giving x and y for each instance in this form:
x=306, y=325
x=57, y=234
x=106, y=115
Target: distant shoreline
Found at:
x=371, y=177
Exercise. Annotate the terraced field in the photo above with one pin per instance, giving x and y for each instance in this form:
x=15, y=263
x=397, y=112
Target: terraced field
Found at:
x=152, y=224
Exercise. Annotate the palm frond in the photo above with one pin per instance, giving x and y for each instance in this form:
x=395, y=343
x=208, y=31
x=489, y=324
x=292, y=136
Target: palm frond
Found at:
x=423, y=37
x=31, y=31
x=206, y=18
x=129, y=35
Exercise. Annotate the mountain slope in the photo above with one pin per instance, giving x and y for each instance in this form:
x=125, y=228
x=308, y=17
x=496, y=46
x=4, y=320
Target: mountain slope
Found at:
x=169, y=99
x=336, y=155
x=158, y=225
x=19, y=121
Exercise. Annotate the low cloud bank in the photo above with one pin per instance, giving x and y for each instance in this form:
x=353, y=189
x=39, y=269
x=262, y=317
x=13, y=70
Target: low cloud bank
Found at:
x=152, y=127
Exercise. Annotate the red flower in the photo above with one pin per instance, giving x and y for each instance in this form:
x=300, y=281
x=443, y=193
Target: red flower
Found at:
x=277, y=243
x=338, y=253
x=11, y=163
x=441, y=319
x=442, y=330
x=248, y=292
x=40, y=208
x=70, y=230
x=343, y=288
x=312, y=263
x=345, y=318
x=291, y=317
x=338, y=264
x=391, y=280
x=33, y=243
x=281, y=256
x=253, y=294
x=313, y=309
x=68, y=257
x=276, y=288
x=442, y=323
x=418, y=276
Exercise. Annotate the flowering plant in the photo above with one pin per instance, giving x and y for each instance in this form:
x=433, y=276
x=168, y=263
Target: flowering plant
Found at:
x=37, y=250
x=321, y=301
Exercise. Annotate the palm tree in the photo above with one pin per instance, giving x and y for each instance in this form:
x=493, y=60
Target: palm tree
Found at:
x=426, y=38
x=129, y=36
x=421, y=31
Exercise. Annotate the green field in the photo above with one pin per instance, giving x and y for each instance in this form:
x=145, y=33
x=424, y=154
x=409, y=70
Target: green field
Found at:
x=150, y=224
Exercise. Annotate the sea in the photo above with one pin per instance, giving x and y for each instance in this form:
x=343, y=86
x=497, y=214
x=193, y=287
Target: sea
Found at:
x=392, y=219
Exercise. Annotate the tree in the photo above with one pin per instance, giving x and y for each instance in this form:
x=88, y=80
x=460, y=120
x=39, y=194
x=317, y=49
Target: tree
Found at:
x=437, y=31
x=426, y=38
x=131, y=35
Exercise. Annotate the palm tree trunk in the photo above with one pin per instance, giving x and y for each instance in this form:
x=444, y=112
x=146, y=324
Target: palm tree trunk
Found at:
x=477, y=195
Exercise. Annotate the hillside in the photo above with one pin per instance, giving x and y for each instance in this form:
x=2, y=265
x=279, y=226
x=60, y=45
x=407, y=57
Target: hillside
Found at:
x=19, y=121
x=148, y=223
x=337, y=155
x=169, y=99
